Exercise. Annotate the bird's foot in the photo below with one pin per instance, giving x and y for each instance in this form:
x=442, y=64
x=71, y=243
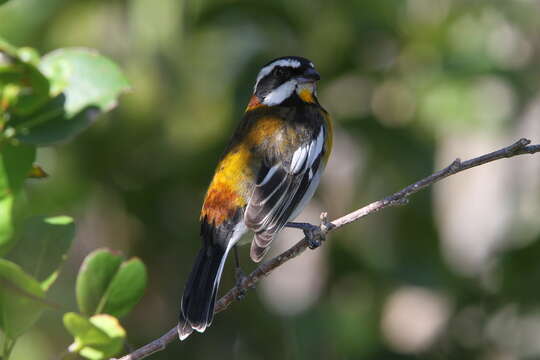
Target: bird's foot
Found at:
x=240, y=277
x=315, y=235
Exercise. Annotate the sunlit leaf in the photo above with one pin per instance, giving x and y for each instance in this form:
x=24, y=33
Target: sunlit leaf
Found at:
x=96, y=338
x=95, y=275
x=28, y=55
x=107, y=285
x=20, y=296
x=6, y=223
x=126, y=288
x=83, y=84
x=87, y=78
x=24, y=88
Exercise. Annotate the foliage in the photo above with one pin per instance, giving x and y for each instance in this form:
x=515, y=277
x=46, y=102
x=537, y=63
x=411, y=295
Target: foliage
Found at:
x=411, y=85
x=96, y=338
x=106, y=284
x=44, y=101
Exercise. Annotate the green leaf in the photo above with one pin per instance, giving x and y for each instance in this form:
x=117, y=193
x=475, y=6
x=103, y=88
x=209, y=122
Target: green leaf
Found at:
x=6, y=224
x=126, y=288
x=3, y=2
x=97, y=338
x=51, y=124
x=87, y=78
x=42, y=246
x=15, y=163
x=28, y=55
x=7, y=48
x=84, y=332
x=20, y=299
x=83, y=84
x=23, y=88
x=105, y=284
x=96, y=273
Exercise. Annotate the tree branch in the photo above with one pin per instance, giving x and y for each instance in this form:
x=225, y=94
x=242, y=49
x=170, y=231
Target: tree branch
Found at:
x=401, y=197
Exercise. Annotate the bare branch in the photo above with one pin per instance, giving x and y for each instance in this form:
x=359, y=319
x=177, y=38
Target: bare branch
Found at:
x=520, y=147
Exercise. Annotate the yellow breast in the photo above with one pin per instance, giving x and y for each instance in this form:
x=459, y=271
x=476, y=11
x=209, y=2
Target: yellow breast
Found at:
x=232, y=180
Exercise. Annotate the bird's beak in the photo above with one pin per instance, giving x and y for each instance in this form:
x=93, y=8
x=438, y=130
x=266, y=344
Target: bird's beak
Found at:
x=309, y=76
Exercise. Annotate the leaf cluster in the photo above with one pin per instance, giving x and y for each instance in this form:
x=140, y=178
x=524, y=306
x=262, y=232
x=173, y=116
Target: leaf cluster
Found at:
x=44, y=101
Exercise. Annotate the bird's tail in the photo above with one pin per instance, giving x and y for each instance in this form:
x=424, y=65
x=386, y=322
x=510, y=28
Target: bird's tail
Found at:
x=201, y=289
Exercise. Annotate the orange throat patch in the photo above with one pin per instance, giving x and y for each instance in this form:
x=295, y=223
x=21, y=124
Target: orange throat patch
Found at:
x=254, y=103
x=306, y=96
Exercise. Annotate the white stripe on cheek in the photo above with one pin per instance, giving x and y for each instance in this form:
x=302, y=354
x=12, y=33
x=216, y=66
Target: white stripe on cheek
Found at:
x=277, y=96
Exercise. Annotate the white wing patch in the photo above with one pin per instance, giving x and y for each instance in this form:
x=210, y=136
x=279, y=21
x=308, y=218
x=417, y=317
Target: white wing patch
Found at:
x=304, y=157
x=283, y=192
x=316, y=148
x=299, y=158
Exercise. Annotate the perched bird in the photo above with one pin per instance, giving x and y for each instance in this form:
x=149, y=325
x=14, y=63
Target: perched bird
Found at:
x=266, y=176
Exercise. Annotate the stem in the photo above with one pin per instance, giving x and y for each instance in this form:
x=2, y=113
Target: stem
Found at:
x=399, y=198
x=9, y=344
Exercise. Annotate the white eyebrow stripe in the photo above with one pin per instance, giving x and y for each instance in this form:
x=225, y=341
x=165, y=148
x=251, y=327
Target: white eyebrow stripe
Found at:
x=268, y=68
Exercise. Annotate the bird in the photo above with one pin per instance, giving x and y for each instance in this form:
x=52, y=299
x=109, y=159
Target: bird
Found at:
x=267, y=174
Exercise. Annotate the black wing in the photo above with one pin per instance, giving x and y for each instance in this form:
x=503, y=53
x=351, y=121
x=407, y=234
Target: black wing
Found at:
x=281, y=191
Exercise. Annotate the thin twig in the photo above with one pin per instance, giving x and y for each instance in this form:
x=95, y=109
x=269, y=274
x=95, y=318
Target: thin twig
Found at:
x=520, y=147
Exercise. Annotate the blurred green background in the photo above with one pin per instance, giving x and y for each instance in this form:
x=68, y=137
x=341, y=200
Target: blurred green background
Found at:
x=411, y=84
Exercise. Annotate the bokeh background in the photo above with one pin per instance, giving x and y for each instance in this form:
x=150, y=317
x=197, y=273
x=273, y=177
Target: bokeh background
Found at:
x=411, y=84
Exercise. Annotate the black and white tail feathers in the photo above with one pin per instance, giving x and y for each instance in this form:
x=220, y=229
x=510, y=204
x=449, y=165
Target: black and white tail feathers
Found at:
x=197, y=309
x=201, y=289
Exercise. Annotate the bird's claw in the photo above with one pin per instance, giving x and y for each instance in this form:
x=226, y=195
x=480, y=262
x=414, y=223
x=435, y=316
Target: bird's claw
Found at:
x=240, y=277
x=314, y=236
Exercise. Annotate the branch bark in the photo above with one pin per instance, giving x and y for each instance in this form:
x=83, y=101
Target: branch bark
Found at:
x=401, y=197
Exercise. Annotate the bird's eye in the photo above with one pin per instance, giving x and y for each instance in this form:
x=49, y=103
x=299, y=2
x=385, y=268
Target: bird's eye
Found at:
x=281, y=72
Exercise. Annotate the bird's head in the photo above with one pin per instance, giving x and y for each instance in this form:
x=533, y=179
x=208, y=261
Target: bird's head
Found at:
x=285, y=78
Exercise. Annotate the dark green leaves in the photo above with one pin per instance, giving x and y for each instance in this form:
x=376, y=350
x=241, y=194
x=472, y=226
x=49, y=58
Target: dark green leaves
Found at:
x=45, y=101
x=20, y=299
x=15, y=163
x=96, y=338
x=40, y=251
x=52, y=99
x=42, y=246
x=126, y=288
x=107, y=285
